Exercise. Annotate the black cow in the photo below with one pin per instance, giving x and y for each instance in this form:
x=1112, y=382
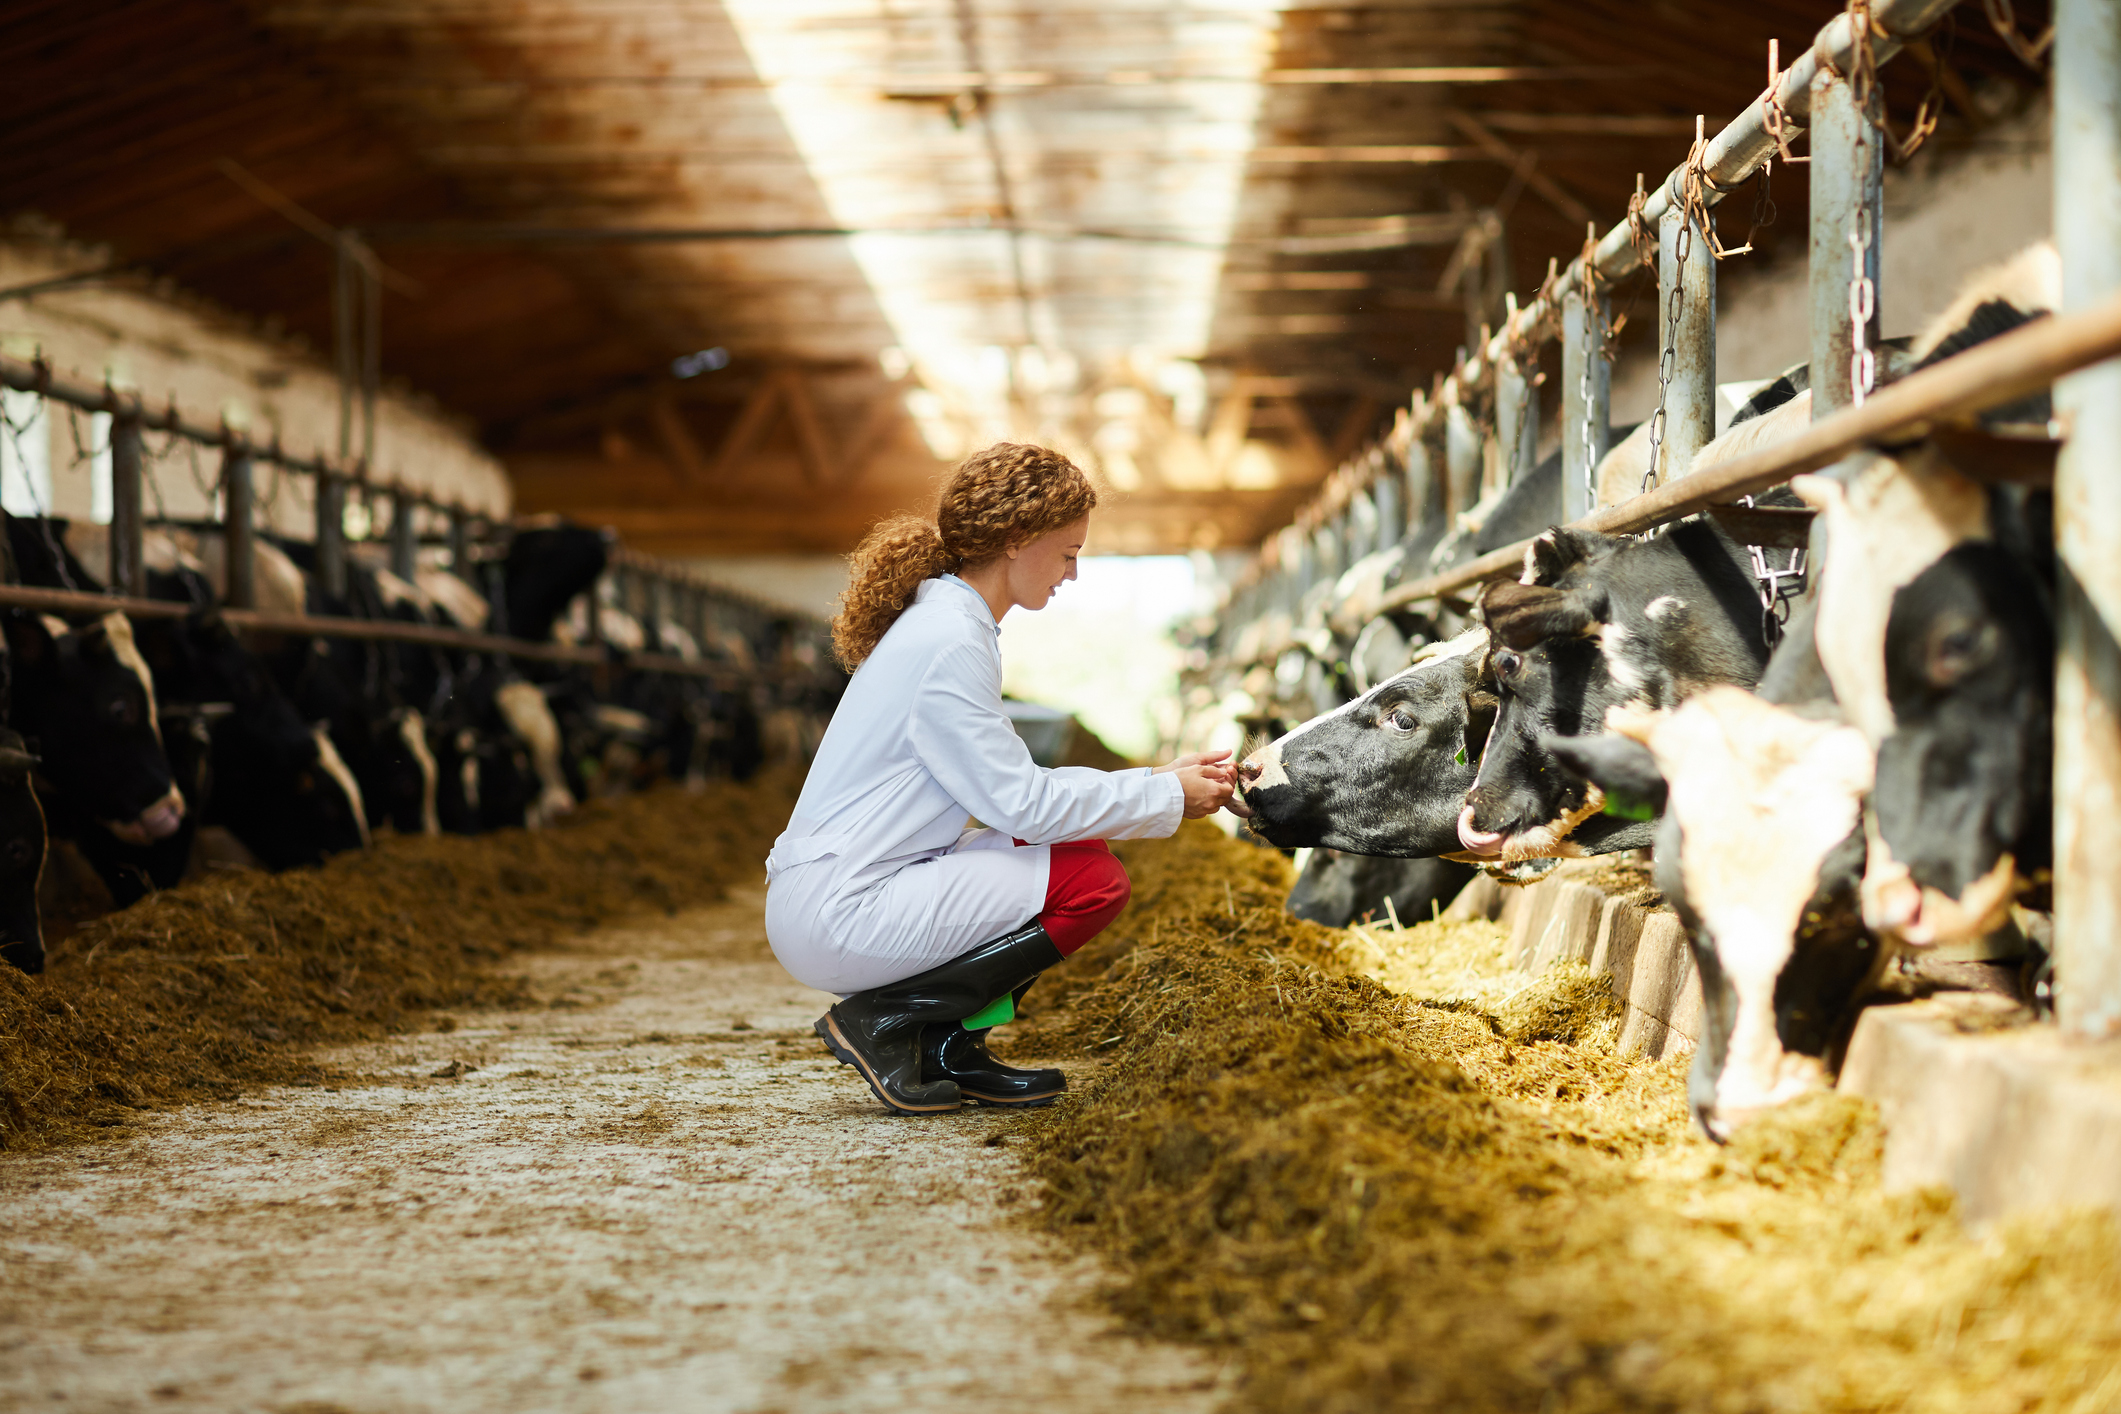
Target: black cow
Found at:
x=1337, y=888
x=1596, y=623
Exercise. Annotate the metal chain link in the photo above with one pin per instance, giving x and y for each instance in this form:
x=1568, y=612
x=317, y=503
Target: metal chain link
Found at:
x=1863, y=305
x=1667, y=356
x=1592, y=337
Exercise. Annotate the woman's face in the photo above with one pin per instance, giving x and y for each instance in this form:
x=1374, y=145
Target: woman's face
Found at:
x=1038, y=567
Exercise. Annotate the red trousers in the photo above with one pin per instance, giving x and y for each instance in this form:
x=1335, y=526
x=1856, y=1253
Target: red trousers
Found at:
x=1085, y=891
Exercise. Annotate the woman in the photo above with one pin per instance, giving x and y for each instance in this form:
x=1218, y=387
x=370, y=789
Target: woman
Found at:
x=878, y=890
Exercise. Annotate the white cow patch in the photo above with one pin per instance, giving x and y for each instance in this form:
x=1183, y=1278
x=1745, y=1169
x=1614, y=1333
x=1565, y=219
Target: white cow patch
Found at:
x=1762, y=796
x=334, y=766
x=1613, y=640
x=118, y=632
x=1895, y=518
x=530, y=717
x=412, y=730
x=1663, y=604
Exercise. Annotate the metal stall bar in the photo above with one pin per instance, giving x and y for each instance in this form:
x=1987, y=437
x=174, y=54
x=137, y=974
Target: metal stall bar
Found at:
x=404, y=539
x=1685, y=419
x=1989, y=375
x=128, y=513
x=2087, y=158
x=239, y=528
x=1718, y=166
x=1847, y=183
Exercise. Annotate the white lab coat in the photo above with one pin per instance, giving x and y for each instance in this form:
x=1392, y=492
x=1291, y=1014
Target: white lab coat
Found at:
x=877, y=876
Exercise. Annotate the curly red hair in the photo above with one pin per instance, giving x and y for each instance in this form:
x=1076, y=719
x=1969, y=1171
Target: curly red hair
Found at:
x=998, y=498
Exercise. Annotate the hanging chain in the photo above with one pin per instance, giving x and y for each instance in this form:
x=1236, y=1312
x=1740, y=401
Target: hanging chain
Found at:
x=1773, y=120
x=1592, y=338
x=2004, y=20
x=1863, y=304
x=1668, y=355
x=1776, y=586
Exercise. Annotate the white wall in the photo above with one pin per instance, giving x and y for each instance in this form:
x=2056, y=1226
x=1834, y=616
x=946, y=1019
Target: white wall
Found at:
x=1946, y=215
x=214, y=366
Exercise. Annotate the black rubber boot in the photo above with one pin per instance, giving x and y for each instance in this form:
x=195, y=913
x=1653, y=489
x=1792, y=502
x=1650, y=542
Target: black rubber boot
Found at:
x=950, y=1052
x=879, y=1032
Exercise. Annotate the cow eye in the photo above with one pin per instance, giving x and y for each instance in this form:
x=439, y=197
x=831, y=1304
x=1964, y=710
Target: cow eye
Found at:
x=1399, y=719
x=1507, y=664
x=1957, y=647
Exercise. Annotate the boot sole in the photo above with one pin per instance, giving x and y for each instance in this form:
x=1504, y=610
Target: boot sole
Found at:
x=1022, y=1102
x=828, y=1031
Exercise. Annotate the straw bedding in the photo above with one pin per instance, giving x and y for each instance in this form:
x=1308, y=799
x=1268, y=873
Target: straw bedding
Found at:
x=223, y=981
x=1447, y=1193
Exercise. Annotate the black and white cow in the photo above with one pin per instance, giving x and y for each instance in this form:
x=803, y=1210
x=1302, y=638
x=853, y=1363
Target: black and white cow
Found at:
x=1336, y=888
x=1596, y=623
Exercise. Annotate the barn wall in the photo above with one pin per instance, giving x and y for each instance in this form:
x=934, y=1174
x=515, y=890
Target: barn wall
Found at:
x=1943, y=220
x=811, y=583
x=215, y=366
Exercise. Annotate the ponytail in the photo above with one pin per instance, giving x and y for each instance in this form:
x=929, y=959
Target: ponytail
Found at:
x=883, y=573
x=997, y=498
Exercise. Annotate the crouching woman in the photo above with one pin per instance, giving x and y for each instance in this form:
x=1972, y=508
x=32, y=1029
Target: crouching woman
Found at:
x=878, y=890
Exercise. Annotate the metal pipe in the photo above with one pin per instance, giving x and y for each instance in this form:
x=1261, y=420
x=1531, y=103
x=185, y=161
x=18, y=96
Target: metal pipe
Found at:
x=460, y=542
x=1847, y=183
x=331, y=536
x=1586, y=402
x=1988, y=375
x=1420, y=480
x=1462, y=457
x=2087, y=162
x=1686, y=333
x=128, y=513
x=1386, y=491
x=404, y=542
x=239, y=537
x=1516, y=421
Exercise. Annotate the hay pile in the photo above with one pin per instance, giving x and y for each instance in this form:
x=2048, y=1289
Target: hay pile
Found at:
x=220, y=982
x=1461, y=1200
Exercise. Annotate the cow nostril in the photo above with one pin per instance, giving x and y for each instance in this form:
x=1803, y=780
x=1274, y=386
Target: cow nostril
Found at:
x=1249, y=769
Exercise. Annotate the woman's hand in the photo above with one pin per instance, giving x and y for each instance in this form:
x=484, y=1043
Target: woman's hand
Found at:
x=1209, y=779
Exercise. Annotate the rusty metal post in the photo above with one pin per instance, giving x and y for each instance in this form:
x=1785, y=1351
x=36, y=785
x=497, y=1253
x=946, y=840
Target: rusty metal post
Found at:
x=331, y=535
x=1847, y=185
x=404, y=541
x=2087, y=158
x=128, y=511
x=1586, y=402
x=1516, y=422
x=239, y=528
x=1687, y=337
x=1463, y=453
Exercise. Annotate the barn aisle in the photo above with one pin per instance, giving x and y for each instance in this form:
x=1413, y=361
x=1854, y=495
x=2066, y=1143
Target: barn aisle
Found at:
x=650, y=1192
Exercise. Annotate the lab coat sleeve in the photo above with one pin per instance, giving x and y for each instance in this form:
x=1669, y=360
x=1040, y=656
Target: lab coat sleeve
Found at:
x=962, y=736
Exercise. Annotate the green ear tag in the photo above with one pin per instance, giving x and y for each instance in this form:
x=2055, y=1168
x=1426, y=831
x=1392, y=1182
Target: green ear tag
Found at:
x=1460, y=758
x=995, y=1013
x=1629, y=809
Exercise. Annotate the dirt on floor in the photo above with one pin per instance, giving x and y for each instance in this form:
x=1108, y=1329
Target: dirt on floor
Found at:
x=642, y=1187
x=1450, y=1193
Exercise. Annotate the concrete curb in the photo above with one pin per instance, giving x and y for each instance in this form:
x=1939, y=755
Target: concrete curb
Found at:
x=1572, y=915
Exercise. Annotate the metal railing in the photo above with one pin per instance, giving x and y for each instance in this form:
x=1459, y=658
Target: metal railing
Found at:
x=706, y=611
x=1432, y=459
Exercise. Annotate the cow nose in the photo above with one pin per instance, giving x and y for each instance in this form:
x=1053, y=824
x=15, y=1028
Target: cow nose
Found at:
x=1248, y=769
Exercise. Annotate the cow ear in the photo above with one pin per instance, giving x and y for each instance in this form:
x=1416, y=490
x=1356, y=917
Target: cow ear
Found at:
x=1523, y=615
x=1562, y=549
x=1481, y=709
x=1620, y=766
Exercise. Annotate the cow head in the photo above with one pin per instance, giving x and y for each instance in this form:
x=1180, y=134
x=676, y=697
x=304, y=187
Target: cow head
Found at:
x=1759, y=849
x=1596, y=623
x=89, y=698
x=1337, y=888
x=1964, y=798
x=1383, y=774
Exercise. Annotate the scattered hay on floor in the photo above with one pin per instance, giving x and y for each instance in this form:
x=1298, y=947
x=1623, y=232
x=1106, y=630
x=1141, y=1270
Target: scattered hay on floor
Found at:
x=1464, y=1201
x=223, y=981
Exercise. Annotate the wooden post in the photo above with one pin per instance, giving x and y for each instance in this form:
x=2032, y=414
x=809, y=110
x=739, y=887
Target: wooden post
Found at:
x=239, y=527
x=2087, y=159
x=128, y=512
x=1847, y=182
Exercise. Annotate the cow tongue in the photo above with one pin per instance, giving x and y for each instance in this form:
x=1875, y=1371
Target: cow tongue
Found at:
x=1477, y=841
